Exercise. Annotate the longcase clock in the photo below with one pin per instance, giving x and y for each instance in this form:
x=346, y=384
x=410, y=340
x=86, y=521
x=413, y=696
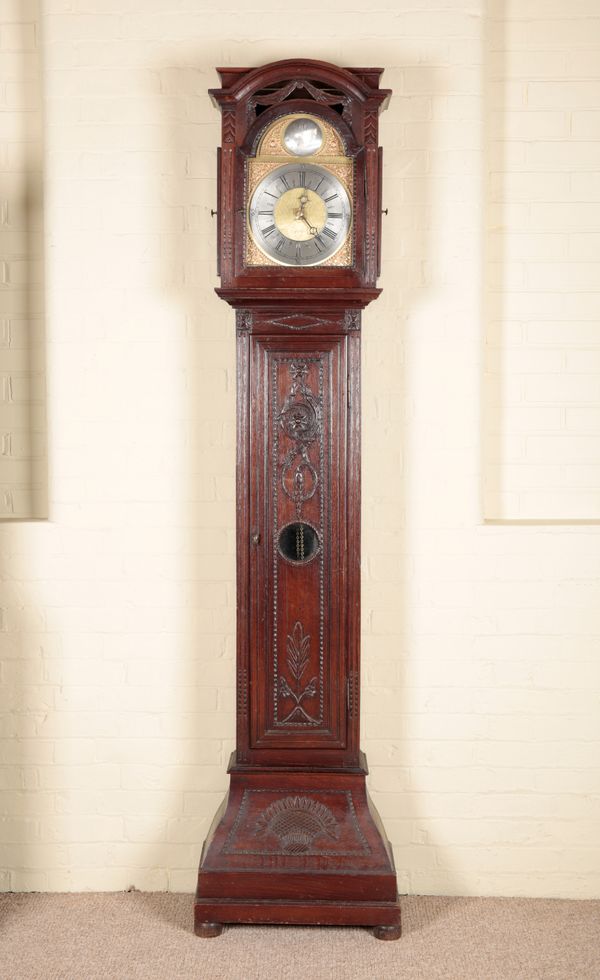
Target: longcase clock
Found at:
x=297, y=839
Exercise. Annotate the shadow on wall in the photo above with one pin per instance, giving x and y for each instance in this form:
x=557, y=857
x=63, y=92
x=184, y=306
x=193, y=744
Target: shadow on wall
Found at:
x=494, y=380
x=23, y=459
x=388, y=411
x=202, y=727
x=23, y=454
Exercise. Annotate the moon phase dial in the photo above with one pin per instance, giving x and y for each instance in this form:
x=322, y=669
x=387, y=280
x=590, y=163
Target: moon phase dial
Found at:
x=300, y=215
x=303, y=137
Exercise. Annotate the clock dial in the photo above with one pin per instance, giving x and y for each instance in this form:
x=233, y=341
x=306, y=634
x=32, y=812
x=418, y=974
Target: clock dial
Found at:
x=300, y=215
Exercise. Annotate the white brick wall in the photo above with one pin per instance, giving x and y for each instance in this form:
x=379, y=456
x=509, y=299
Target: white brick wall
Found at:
x=542, y=390
x=481, y=678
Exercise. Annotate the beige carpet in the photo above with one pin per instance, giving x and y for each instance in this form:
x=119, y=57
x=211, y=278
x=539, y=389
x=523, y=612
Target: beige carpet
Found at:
x=146, y=936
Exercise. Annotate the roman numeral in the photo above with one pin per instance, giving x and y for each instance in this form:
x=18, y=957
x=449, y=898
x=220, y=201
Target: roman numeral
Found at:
x=268, y=230
x=274, y=196
x=285, y=183
x=319, y=243
x=279, y=245
x=331, y=198
x=270, y=212
x=331, y=214
x=298, y=255
x=302, y=178
x=330, y=234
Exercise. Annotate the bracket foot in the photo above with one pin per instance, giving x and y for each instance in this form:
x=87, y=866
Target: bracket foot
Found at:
x=387, y=932
x=208, y=930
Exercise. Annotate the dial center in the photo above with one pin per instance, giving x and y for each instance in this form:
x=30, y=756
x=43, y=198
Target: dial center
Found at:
x=300, y=214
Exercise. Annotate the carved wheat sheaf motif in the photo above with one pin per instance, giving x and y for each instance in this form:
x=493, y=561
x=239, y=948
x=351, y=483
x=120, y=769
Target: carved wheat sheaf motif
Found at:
x=297, y=821
x=298, y=659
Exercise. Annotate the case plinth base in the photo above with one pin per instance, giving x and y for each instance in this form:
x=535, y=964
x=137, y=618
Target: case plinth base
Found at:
x=297, y=848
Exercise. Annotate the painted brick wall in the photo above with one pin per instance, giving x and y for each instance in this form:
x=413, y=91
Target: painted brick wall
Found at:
x=22, y=370
x=542, y=360
x=481, y=708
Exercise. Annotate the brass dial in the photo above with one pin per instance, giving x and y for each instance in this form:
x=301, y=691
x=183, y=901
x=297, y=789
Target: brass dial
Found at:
x=300, y=214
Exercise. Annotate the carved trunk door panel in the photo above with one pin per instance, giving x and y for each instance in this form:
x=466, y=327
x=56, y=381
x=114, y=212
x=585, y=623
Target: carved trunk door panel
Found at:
x=298, y=568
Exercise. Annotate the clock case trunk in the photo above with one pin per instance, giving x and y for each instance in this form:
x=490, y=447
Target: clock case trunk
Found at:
x=297, y=839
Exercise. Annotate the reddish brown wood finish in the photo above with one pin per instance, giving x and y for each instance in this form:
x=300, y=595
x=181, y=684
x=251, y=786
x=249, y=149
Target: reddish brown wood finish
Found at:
x=297, y=847
x=297, y=839
x=357, y=91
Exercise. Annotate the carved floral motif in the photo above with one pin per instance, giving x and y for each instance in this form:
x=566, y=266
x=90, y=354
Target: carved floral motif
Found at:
x=352, y=319
x=300, y=419
x=297, y=821
x=298, y=471
x=298, y=659
x=277, y=93
x=296, y=825
x=243, y=320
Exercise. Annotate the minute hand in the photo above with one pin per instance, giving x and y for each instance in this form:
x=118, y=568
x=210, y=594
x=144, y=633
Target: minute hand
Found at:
x=310, y=227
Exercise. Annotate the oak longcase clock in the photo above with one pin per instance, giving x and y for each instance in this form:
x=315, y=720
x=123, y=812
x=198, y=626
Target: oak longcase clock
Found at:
x=299, y=205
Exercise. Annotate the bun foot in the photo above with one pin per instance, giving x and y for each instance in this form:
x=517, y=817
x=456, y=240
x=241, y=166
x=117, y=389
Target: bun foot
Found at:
x=387, y=932
x=208, y=930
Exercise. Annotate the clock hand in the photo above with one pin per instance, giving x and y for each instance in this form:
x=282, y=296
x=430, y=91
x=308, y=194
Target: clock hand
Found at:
x=310, y=227
x=299, y=212
x=300, y=216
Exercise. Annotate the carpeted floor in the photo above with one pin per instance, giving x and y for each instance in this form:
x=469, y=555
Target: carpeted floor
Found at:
x=147, y=936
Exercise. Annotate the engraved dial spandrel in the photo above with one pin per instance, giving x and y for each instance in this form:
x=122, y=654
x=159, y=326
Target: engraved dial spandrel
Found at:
x=300, y=214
